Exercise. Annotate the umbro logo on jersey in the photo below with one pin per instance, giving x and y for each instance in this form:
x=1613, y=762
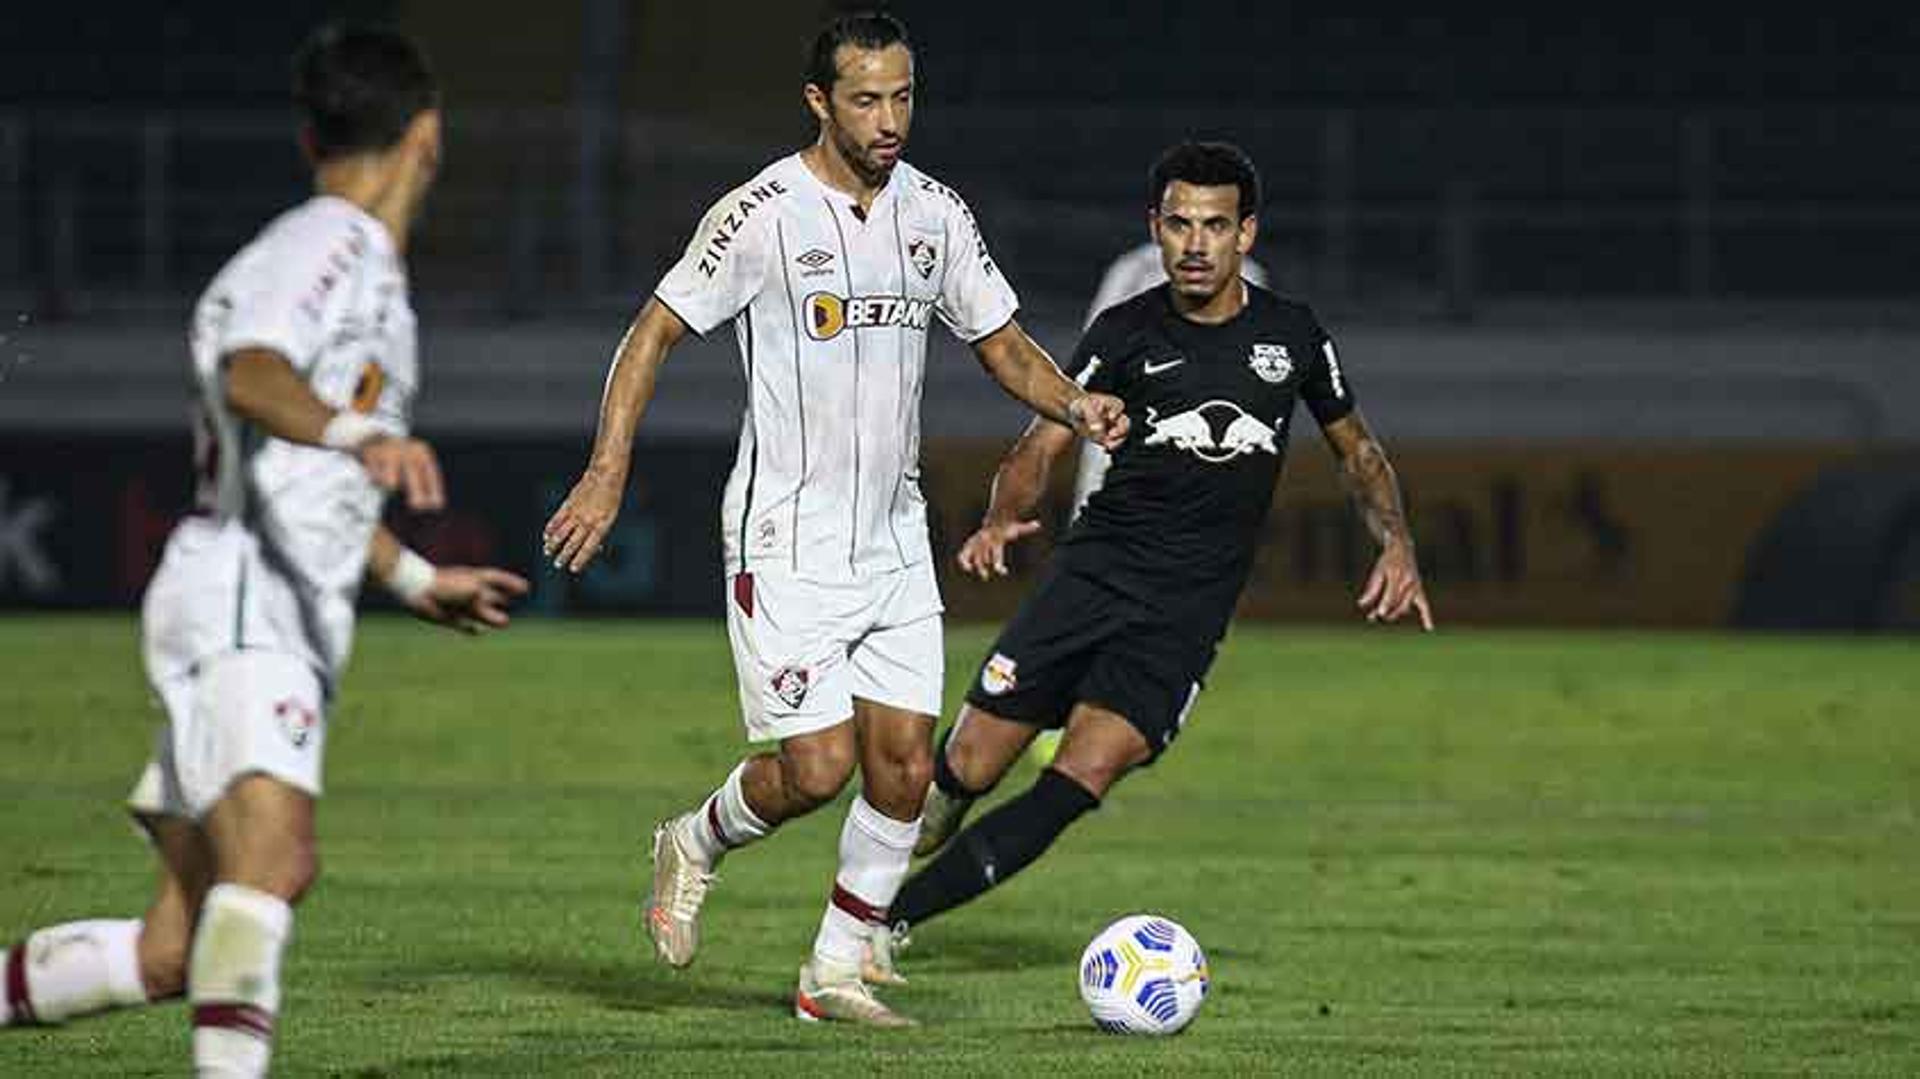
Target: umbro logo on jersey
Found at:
x=1154, y=367
x=816, y=259
x=828, y=314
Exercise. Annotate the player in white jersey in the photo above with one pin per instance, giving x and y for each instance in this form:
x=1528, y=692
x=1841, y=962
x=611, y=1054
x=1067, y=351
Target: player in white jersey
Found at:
x=830, y=265
x=305, y=369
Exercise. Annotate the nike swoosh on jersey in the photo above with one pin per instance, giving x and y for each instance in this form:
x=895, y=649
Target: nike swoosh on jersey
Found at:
x=1152, y=368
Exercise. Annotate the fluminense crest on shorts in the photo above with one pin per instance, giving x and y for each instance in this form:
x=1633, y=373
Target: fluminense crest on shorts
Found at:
x=790, y=684
x=297, y=721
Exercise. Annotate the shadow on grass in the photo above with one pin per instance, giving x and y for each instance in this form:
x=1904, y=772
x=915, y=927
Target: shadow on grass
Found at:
x=622, y=985
x=970, y=948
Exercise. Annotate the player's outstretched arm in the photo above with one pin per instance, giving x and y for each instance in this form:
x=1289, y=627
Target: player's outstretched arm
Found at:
x=263, y=388
x=1017, y=487
x=1024, y=370
x=1394, y=587
x=471, y=599
x=577, y=529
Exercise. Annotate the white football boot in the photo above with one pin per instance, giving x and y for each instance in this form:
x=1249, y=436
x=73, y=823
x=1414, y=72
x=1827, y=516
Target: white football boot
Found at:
x=842, y=998
x=883, y=944
x=680, y=885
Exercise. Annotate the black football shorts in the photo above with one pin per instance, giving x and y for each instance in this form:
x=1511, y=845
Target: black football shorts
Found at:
x=1076, y=640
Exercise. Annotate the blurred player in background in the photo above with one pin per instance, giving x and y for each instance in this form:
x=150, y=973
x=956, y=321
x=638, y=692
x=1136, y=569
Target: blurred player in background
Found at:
x=828, y=266
x=1114, y=640
x=304, y=361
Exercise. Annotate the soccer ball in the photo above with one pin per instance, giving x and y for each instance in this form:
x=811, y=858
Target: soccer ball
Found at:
x=1143, y=974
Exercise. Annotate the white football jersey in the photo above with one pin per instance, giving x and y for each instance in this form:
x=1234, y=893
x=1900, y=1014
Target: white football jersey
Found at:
x=831, y=310
x=273, y=554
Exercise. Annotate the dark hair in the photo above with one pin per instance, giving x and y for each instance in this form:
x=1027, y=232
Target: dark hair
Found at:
x=358, y=87
x=1210, y=164
x=864, y=30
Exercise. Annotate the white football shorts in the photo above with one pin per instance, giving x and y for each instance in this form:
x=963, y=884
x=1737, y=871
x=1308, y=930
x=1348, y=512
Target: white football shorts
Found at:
x=234, y=714
x=804, y=650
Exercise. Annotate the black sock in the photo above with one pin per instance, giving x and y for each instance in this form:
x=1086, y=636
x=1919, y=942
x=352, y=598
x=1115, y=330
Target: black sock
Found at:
x=994, y=848
x=943, y=776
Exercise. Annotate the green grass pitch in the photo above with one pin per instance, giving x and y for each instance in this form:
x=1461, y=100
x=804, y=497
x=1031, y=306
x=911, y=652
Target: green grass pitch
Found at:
x=1469, y=854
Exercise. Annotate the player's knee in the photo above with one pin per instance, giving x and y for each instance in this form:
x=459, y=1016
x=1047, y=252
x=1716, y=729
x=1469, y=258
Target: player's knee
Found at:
x=814, y=779
x=289, y=872
x=975, y=768
x=903, y=777
x=916, y=772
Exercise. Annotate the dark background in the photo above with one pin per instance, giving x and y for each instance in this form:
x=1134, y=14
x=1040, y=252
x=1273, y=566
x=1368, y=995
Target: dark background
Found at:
x=1596, y=233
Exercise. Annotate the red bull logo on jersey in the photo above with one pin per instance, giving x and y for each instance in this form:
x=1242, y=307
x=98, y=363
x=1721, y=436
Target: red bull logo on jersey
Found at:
x=1194, y=432
x=828, y=315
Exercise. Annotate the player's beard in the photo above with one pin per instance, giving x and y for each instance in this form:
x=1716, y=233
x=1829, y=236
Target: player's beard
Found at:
x=862, y=160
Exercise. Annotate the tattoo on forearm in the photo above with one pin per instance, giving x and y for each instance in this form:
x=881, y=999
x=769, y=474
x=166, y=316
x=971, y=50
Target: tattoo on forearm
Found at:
x=1376, y=492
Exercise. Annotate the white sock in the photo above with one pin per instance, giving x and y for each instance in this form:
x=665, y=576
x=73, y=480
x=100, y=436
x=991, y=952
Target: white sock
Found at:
x=874, y=852
x=723, y=822
x=233, y=980
x=70, y=970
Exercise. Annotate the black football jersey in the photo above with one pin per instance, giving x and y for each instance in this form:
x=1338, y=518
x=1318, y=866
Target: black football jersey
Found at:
x=1211, y=407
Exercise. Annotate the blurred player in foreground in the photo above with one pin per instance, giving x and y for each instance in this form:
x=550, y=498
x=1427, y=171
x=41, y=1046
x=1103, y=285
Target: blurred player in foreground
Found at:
x=829, y=266
x=304, y=362
x=1114, y=640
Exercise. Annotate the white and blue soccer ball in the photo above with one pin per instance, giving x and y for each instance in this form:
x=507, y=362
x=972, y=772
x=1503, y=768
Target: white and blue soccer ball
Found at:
x=1144, y=974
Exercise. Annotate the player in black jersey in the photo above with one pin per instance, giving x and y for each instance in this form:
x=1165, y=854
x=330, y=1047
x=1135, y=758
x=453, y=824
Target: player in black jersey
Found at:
x=1114, y=641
